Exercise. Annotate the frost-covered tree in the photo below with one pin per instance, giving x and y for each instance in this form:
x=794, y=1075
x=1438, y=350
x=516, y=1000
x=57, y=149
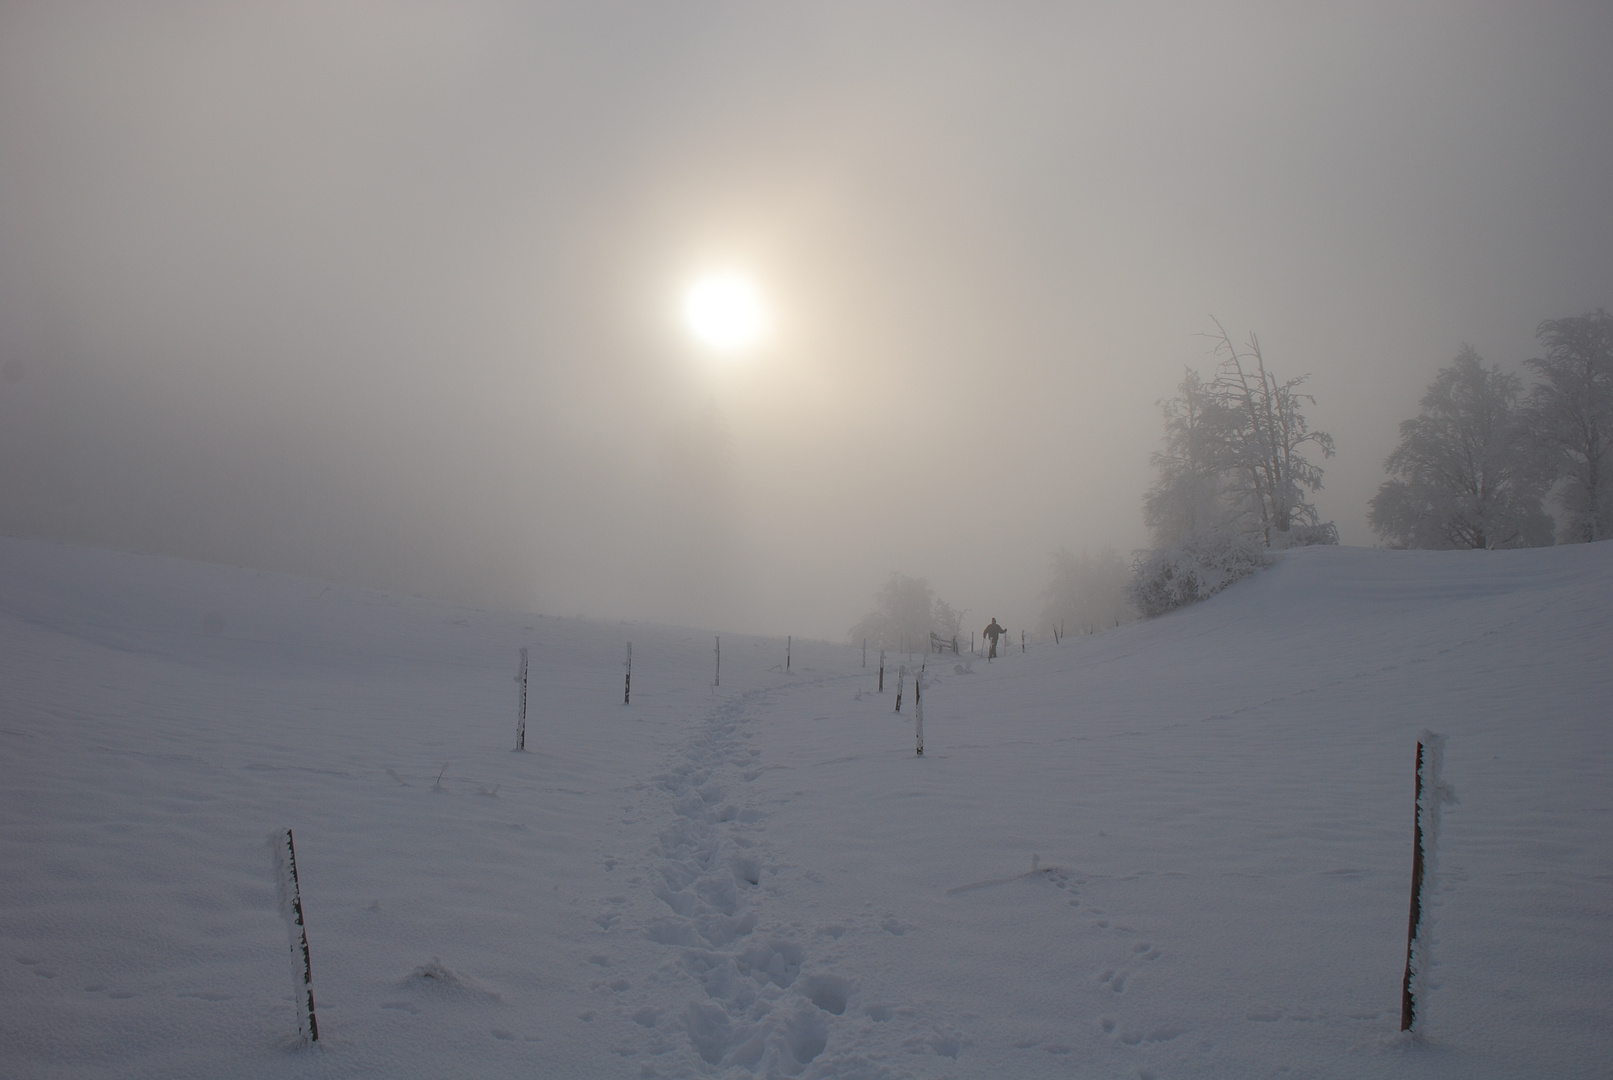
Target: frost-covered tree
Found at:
x=905, y=613
x=1188, y=498
x=1087, y=591
x=1234, y=458
x=1570, y=415
x=1462, y=475
x=1261, y=440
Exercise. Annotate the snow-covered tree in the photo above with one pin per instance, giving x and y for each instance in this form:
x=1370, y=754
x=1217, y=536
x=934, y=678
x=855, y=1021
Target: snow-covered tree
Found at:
x=1234, y=458
x=905, y=613
x=1188, y=498
x=1259, y=440
x=1087, y=591
x=1570, y=415
x=1462, y=475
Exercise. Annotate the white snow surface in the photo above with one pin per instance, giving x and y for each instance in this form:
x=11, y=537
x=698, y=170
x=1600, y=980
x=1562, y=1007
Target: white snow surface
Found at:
x=1177, y=848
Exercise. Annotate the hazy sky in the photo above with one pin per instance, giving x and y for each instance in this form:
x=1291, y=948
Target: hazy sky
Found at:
x=387, y=292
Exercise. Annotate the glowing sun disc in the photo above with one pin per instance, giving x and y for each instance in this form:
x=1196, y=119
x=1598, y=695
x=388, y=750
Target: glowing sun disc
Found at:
x=725, y=311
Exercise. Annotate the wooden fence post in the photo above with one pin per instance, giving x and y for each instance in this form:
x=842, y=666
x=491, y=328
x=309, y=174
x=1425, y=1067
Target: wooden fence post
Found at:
x=882, y=671
x=520, y=724
x=289, y=895
x=627, y=687
x=918, y=709
x=716, y=679
x=1432, y=793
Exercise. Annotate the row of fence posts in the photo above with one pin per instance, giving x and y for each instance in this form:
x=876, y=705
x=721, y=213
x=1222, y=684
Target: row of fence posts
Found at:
x=1431, y=793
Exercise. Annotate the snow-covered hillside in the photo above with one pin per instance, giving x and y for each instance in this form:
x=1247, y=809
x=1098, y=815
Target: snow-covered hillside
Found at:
x=1179, y=848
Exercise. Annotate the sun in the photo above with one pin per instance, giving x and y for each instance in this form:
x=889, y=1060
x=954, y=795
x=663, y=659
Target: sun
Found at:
x=726, y=312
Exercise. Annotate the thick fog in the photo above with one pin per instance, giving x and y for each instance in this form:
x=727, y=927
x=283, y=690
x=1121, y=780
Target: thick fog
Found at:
x=388, y=293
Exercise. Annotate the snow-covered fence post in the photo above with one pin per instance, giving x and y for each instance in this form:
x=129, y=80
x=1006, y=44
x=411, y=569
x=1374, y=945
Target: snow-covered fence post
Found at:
x=1432, y=794
x=918, y=710
x=1022, y=641
x=901, y=677
x=882, y=671
x=520, y=723
x=627, y=687
x=289, y=896
x=716, y=679
x=788, y=641
x=865, y=652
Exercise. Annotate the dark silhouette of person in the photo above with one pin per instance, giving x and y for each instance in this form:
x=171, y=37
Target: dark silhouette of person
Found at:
x=992, y=633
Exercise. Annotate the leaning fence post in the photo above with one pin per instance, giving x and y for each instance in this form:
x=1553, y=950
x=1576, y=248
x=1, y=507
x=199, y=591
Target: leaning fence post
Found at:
x=901, y=677
x=1432, y=793
x=289, y=896
x=520, y=723
x=627, y=687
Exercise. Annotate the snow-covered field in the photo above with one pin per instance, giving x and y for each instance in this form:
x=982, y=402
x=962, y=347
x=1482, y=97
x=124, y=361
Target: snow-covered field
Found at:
x=1179, y=848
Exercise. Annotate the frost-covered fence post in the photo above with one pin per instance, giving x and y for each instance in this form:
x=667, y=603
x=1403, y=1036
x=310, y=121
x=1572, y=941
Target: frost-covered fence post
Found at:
x=918, y=710
x=865, y=652
x=289, y=897
x=1432, y=794
x=901, y=677
x=788, y=641
x=627, y=687
x=882, y=671
x=1022, y=641
x=716, y=679
x=520, y=723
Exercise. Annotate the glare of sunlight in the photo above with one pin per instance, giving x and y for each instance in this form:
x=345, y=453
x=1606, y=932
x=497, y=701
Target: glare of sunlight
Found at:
x=725, y=312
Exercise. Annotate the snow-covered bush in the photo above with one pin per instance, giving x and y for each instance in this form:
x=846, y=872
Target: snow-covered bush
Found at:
x=1167, y=578
x=1306, y=536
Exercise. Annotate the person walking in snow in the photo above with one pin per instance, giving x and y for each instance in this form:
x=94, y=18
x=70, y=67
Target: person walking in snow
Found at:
x=992, y=633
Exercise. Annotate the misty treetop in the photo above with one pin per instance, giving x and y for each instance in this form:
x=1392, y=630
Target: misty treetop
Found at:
x=1570, y=417
x=1487, y=464
x=905, y=613
x=1235, y=454
x=1463, y=475
x=1233, y=479
x=1087, y=592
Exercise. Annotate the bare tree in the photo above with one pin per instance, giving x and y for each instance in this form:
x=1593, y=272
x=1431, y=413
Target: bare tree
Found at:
x=1570, y=414
x=1262, y=437
x=1462, y=475
x=1234, y=458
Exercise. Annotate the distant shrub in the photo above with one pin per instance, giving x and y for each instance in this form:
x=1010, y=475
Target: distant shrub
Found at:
x=1168, y=578
x=1306, y=536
